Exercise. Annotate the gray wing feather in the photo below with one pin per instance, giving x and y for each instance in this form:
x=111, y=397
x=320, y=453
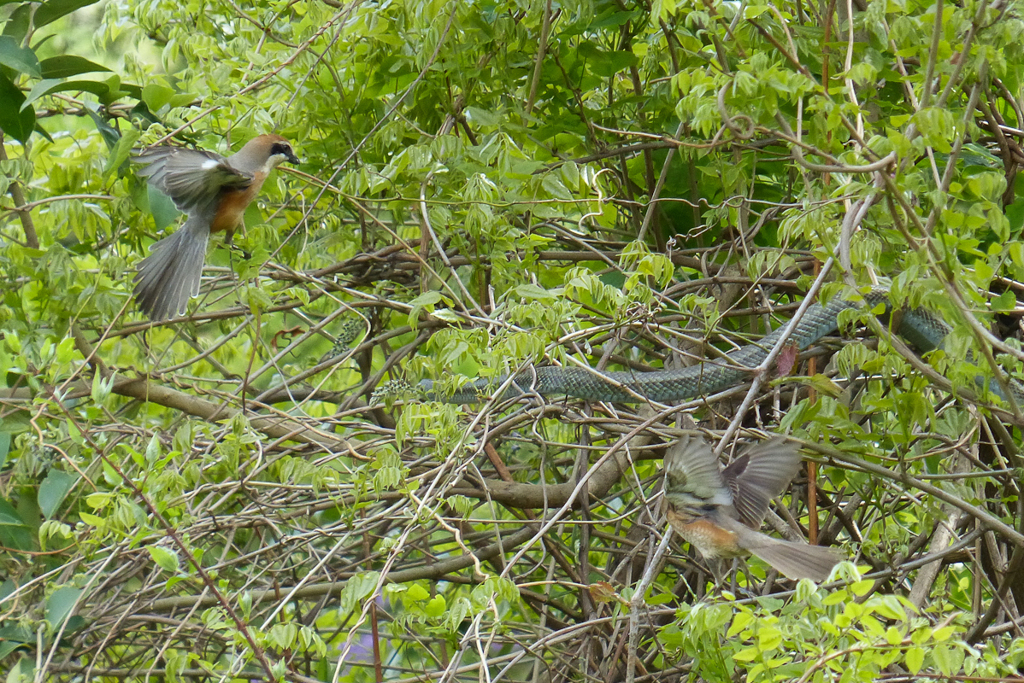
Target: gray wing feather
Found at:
x=191, y=178
x=692, y=474
x=761, y=473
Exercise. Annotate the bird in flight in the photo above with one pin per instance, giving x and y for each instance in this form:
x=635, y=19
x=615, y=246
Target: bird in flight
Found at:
x=214, y=192
x=719, y=511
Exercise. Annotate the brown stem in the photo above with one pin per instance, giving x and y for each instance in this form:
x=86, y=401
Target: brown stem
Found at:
x=27, y=225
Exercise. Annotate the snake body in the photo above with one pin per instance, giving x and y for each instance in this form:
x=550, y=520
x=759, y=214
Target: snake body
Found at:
x=920, y=328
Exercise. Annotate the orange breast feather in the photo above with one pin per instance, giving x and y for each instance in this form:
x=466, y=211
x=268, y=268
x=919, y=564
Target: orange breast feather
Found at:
x=710, y=539
x=233, y=204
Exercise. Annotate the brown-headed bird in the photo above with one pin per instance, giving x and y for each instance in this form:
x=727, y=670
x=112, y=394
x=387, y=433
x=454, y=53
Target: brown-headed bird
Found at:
x=214, y=192
x=719, y=511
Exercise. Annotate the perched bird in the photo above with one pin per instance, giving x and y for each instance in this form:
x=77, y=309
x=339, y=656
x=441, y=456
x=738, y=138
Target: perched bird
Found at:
x=718, y=511
x=214, y=192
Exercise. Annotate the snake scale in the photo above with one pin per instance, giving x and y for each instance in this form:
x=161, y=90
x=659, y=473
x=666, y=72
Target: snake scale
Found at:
x=922, y=329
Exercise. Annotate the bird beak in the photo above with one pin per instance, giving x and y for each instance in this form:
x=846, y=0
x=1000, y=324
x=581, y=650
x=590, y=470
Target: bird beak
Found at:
x=292, y=159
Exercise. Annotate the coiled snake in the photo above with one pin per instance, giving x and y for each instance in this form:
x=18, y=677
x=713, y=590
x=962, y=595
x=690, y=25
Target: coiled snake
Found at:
x=918, y=327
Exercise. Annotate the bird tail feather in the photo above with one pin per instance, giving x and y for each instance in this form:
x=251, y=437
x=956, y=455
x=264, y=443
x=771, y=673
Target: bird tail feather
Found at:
x=170, y=275
x=795, y=560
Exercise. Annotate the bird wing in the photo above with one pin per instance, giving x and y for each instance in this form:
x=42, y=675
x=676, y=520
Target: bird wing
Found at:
x=191, y=178
x=762, y=472
x=692, y=475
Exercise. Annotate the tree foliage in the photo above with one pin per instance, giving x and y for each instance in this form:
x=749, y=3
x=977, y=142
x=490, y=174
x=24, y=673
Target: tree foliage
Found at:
x=488, y=186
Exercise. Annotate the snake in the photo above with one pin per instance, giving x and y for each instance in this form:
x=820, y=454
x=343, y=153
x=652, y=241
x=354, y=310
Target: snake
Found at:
x=922, y=329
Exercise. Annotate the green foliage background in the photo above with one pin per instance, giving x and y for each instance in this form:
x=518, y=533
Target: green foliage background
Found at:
x=486, y=186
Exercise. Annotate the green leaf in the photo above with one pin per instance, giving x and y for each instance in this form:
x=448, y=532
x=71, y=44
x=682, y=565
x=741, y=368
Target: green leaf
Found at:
x=9, y=646
x=245, y=603
x=50, y=86
x=747, y=655
x=447, y=315
x=482, y=117
x=283, y=636
x=663, y=10
x=739, y=622
x=165, y=558
x=101, y=387
x=768, y=639
x=936, y=126
x=612, y=19
x=15, y=121
x=1015, y=216
x=436, y=606
x=5, y=447
x=358, y=587
x=11, y=630
x=606, y=63
x=116, y=90
x=21, y=59
x=109, y=134
x=1006, y=301
x=153, y=450
x=914, y=659
x=425, y=300
x=889, y=607
x=92, y=520
x=948, y=658
x=417, y=593
x=835, y=598
x=122, y=150
x=532, y=291
x=661, y=599
x=162, y=208
x=52, y=10
x=60, y=604
x=182, y=441
x=53, y=490
x=553, y=184
x=156, y=96
x=68, y=65
x=14, y=533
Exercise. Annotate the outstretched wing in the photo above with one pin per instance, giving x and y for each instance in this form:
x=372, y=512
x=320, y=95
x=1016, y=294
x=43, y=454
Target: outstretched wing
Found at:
x=191, y=178
x=692, y=475
x=762, y=472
